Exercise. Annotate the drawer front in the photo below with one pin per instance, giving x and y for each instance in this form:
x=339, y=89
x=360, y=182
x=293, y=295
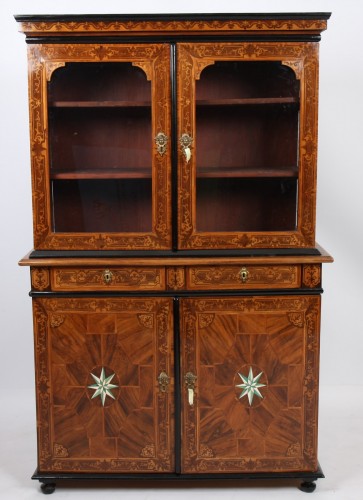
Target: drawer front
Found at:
x=108, y=278
x=243, y=277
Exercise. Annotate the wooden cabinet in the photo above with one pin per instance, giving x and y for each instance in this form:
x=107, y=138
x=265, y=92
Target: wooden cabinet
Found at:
x=175, y=276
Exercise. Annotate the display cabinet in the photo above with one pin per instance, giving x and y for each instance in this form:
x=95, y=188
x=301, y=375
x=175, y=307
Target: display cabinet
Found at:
x=176, y=280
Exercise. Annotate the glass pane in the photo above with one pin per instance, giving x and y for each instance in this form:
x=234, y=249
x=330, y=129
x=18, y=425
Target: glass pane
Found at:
x=247, y=116
x=100, y=148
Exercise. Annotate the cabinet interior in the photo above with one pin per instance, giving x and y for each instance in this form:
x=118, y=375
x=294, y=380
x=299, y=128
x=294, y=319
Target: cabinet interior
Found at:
x=100, y=148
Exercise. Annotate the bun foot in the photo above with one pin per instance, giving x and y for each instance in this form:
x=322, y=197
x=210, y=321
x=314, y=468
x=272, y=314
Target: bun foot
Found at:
x=48, y=488
x=308, y=486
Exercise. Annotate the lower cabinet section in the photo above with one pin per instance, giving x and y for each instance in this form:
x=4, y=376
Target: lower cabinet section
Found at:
x=106, y=392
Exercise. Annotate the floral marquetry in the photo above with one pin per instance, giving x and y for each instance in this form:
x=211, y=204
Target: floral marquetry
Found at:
x=200, y=26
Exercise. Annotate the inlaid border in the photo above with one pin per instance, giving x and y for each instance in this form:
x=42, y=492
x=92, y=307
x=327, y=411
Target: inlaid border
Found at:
x=195, y=24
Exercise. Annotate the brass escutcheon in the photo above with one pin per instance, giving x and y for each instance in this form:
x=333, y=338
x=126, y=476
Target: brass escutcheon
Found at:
x=244, y=274
x=161, y=141
x=163, y=380
x=107, y=276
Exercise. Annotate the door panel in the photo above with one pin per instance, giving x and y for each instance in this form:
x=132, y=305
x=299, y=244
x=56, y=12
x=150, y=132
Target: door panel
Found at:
x=97, y=384
x=100, y=132
x=244, y=112
x=255, y=398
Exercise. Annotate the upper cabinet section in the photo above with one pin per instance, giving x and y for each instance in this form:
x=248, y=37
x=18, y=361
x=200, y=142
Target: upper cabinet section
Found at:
x=173, y=132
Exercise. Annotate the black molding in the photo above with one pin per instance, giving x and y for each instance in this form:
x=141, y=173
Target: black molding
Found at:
x=172, y=38
x=180, y=293
x=177, y=386
x=174, y=146
x=243, y=476
x=114, y=254
x=35, y=18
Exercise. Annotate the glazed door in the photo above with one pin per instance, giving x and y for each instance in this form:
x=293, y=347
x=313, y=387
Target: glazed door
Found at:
x=104, y=384
x=245, y=111
x=250, y=369
x=100, y=125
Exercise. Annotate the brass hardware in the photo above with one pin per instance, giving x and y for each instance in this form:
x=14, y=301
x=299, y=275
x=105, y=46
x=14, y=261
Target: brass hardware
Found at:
x=161, y=141
x=107, y=276
x=190, y=380
x=163, y=380
x=244, y=274
x=186, y=142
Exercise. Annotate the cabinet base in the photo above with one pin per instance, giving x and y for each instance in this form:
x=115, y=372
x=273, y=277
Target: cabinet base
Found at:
x=50, y=480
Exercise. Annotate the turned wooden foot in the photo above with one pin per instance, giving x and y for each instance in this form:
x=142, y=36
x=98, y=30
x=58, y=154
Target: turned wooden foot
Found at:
x=308, y=486
x=48, y=488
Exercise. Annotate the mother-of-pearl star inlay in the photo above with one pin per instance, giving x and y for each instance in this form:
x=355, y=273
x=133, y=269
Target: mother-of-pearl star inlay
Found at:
x=250, y=386
x=103, y=386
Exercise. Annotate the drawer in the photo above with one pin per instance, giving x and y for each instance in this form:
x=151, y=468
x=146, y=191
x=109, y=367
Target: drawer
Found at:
x=243, y=277
x=108, y=278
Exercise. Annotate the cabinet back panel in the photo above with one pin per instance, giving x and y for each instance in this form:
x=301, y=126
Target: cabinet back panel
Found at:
x=247, y=136
x=246, y=204
x=99, y=81
x=102, y=205
x=247, y=79
x=108, y=138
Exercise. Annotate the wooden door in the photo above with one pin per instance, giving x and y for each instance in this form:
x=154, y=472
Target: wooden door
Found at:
x=254, y=405
x=247, y=144
x=100, y=404
x=100, y=136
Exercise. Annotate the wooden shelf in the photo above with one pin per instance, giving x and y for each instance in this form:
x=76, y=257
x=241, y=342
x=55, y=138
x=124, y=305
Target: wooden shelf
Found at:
x=248, y=101
x=224, y=172
x=100, y=104
x=136, y=173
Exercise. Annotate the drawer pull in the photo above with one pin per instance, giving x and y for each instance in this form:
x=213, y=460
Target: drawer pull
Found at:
x=244, y=274
x=107, y=276
x=190, y=380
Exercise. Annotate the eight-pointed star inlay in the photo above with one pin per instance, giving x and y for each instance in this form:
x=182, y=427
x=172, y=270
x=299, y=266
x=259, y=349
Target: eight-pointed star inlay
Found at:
x=250, y=386
x=103, y=386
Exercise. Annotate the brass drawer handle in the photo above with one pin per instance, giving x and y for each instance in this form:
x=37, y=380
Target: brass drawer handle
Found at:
x=107, y=276
x=244, y=274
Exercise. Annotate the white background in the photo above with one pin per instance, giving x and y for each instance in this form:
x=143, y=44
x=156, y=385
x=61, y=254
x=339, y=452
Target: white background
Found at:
x=339, y=230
